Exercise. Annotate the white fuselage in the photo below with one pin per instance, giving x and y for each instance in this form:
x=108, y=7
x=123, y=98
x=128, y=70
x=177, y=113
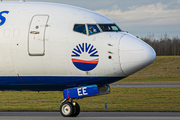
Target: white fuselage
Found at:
x=38, y=40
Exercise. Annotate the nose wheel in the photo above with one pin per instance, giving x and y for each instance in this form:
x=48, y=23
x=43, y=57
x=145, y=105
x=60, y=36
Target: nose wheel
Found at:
x=70, y=109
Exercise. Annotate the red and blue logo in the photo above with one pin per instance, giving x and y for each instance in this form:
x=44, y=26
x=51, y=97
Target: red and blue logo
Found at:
x=85, y=57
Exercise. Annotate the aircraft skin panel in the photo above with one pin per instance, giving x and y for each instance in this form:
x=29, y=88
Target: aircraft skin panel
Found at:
x=56, y=57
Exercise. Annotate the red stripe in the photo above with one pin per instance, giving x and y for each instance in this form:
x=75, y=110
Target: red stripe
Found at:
x=23, y=82
x=67, y=94
x=86, y=61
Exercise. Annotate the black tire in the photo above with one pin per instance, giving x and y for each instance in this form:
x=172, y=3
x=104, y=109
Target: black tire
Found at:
x=67, y=109
x=76, y=110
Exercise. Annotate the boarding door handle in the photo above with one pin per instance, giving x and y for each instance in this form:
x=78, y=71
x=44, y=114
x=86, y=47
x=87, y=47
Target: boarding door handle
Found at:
x=34, y=32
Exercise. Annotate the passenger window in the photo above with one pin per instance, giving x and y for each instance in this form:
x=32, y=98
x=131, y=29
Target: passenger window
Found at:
x=93, y=29
x=80, y=28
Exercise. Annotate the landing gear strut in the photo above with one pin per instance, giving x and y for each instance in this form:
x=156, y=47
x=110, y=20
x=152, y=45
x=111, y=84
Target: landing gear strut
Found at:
x=69, y=109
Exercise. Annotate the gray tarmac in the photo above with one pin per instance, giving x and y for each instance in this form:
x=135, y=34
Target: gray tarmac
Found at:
x=145, y=85
x=91, y=116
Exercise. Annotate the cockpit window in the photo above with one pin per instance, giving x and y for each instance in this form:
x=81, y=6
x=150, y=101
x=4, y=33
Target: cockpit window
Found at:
x=109, y=27
x=93, y=29
x=80, y=28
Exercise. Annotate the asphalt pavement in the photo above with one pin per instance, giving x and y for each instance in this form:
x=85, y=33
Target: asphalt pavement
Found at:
x=91, y=116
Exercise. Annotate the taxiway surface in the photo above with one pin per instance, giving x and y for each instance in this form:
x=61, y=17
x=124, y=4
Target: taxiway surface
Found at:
x=91, y=116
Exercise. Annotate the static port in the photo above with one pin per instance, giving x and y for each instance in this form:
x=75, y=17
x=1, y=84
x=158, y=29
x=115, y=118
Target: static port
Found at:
x=110, y=57
x=37, y=27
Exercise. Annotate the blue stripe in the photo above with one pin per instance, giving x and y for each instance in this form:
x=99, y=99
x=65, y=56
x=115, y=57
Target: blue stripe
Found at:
x=52, y=83
x=85, y=66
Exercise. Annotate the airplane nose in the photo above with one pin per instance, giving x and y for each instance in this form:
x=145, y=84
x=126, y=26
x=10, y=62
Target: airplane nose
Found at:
x=134, y=54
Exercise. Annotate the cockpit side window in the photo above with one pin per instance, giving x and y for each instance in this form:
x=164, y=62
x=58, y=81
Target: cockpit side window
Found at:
x=109, y=27
x=81, y=28
x=93, y=29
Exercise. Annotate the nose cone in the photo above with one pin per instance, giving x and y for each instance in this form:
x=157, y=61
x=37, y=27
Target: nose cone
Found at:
x=134, y=54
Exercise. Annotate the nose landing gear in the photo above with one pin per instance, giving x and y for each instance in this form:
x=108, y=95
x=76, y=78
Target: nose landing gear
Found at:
x=69, y=109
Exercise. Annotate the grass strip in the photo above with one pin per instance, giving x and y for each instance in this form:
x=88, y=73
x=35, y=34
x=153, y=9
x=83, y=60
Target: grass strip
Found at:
x=162, y=79
x=120, y=99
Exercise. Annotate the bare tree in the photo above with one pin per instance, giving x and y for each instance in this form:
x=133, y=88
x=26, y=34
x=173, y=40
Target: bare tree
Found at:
x=165, y=45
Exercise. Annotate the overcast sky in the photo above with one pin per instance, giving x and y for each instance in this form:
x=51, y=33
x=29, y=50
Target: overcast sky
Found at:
x=138, y=17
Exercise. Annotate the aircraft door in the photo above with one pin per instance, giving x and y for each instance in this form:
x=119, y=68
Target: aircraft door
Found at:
x=36, y=35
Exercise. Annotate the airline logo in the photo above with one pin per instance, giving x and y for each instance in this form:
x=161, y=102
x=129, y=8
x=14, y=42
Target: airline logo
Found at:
x=85, y=57
x=2, y=18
